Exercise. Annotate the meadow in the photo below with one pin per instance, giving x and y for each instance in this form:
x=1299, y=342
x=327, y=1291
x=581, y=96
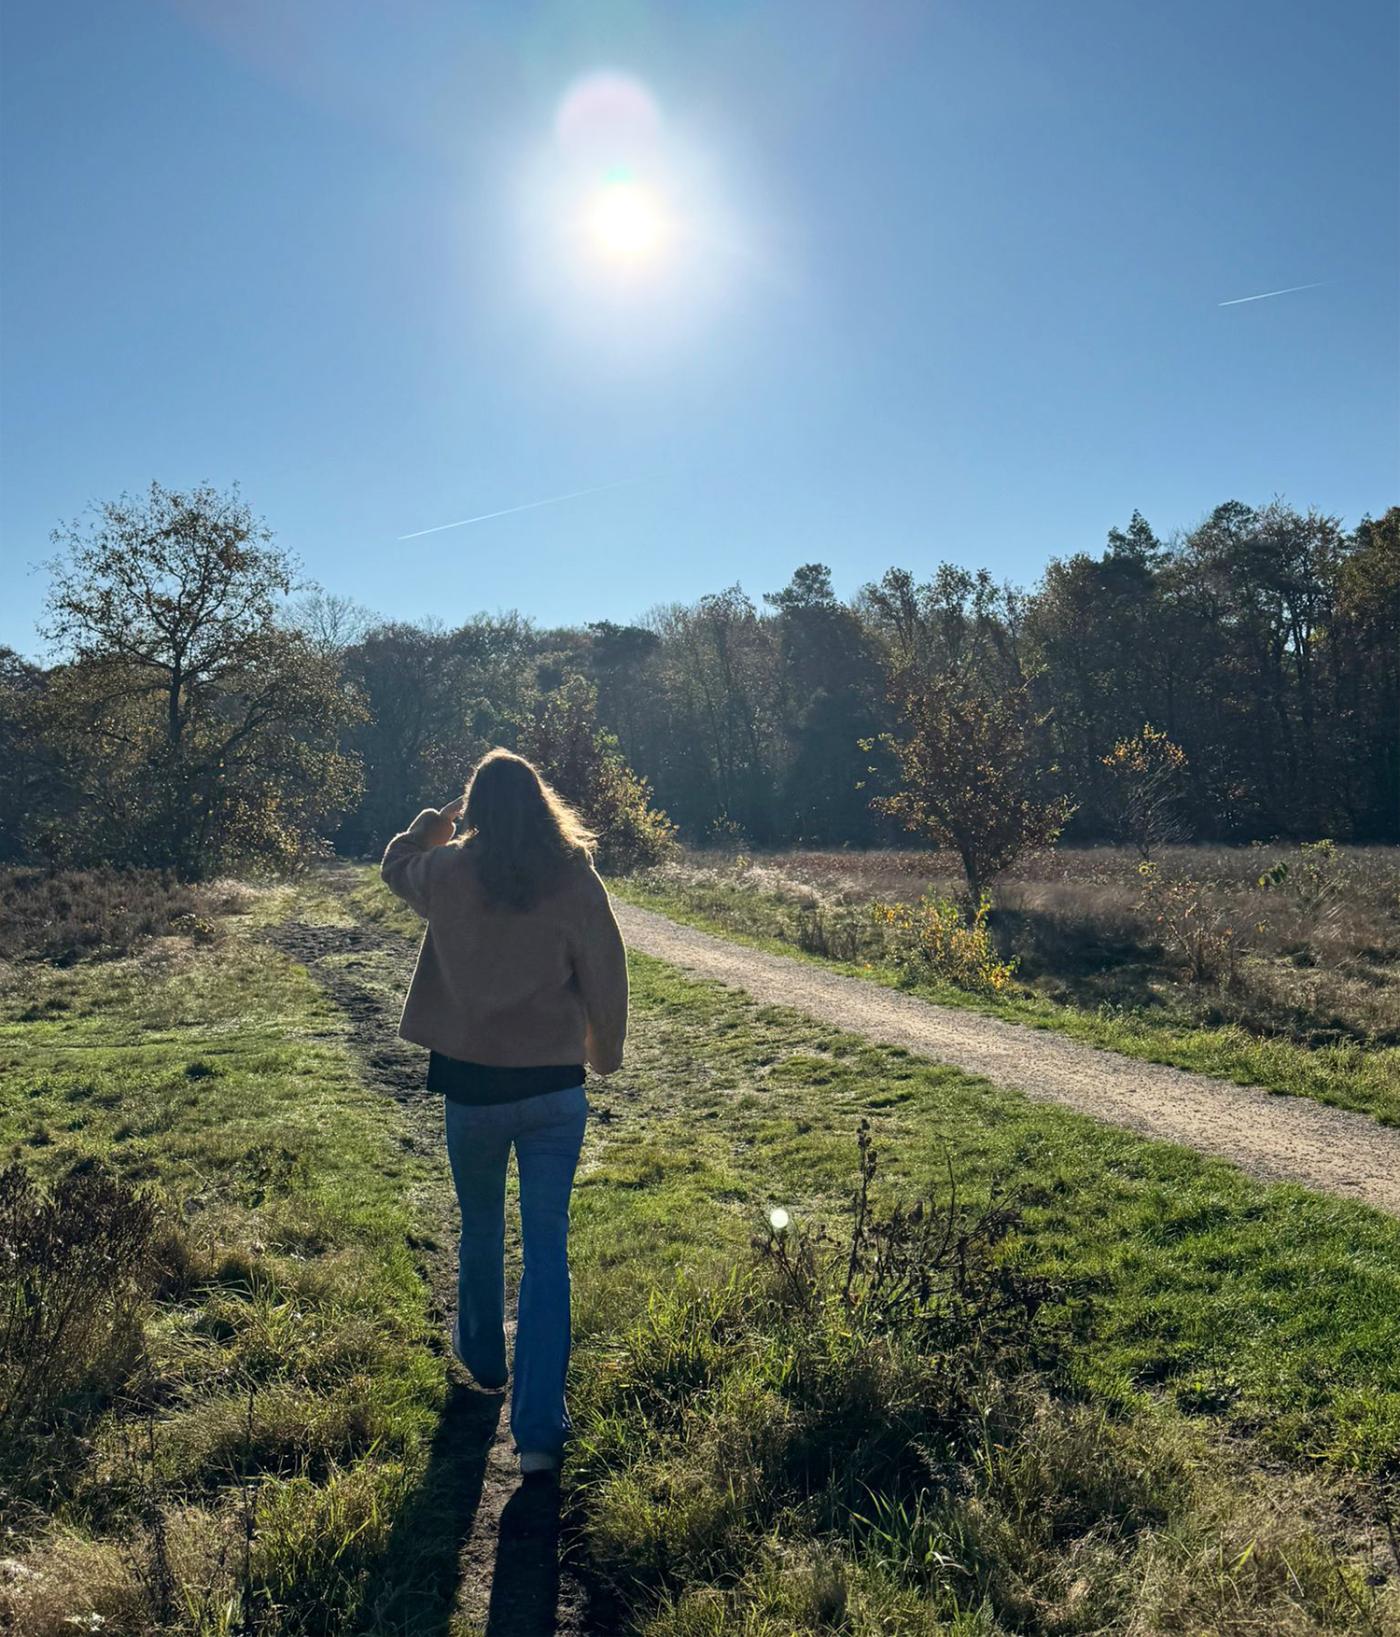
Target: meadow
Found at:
x=1091, y=1383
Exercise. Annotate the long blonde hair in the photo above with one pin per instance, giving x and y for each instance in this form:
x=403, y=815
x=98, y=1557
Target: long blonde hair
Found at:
x=521, y=836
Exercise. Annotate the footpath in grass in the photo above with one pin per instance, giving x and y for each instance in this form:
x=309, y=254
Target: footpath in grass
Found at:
x=1187, y=1437
x=1346, y=1076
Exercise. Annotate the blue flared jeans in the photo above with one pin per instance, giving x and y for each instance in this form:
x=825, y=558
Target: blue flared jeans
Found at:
x=547, y=1134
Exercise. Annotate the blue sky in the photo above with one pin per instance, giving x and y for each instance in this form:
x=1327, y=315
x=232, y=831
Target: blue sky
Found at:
x=943, y=283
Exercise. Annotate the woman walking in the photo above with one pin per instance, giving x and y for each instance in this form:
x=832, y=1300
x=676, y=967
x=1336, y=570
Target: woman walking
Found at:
x=521, y=981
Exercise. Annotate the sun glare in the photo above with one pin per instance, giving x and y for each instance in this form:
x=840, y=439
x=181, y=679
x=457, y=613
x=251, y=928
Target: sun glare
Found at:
x=626, y=222
x=627, y=235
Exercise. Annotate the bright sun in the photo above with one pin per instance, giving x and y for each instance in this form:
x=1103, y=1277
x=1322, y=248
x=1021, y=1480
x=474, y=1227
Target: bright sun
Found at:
x=626, y=222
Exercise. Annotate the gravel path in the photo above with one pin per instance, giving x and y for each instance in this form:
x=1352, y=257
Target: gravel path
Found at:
x=1279, y=1139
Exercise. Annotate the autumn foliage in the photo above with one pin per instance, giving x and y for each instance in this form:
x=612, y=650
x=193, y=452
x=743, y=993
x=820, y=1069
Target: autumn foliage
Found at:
x=969, y=779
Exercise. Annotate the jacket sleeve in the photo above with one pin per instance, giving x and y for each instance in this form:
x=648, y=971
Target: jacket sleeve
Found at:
x=406, y=864
x=600, y=964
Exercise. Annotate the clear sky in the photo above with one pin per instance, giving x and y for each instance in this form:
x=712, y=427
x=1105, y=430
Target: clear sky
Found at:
x=884, y=283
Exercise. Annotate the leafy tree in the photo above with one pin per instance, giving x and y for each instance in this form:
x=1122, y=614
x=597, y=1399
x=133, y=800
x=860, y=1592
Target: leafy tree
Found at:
x=1105, y=657
x=435, y=701
x=582, y=761
x=171, y=589
x=955, y=624
x=1262, y=584
x=719, y=668
x=33, y=789
x=828, y=704
x=1364, y=654
x=967, y=762
x=620, y=660
x=1147, y=771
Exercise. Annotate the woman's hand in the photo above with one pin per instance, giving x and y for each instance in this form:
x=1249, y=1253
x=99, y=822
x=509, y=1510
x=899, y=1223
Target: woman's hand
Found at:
x=443, y=826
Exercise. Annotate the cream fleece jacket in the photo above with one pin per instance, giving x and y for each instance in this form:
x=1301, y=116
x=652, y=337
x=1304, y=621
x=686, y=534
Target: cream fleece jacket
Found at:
x=509, y=988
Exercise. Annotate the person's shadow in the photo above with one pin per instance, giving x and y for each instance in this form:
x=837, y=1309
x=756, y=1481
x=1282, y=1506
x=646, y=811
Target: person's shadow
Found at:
x=414, y=1586
x=525, y=1585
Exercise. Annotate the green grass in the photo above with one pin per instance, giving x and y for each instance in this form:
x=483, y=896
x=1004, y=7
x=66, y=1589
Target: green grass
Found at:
x=1346, y=1076
x=374, y=904
x=287, y=1350
x=1238, y=1365
x=1276, y=1308
x=1234, y=1362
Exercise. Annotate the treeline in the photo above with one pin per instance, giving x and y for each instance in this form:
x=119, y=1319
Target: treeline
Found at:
x=200, y=714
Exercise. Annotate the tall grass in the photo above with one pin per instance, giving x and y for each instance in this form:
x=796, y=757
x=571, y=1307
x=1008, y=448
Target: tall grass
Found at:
x=63, y=916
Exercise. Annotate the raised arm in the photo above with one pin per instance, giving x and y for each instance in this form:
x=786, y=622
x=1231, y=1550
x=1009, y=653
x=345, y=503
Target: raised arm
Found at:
x=600, y=963
x=404, y=869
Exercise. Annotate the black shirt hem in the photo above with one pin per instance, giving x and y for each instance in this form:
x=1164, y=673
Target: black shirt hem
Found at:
x=482, y=1083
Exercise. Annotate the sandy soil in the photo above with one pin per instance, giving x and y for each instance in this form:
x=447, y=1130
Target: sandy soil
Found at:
x=1278, y=1139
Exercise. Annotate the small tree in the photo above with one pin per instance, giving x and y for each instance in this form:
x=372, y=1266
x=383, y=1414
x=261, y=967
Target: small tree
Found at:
x=1146, y=774
x=968, y=776
x=583, y=762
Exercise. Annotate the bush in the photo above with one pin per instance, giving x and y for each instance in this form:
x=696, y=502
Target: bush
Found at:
x=584, y=764
x=77, y=1269
x=1147, y=772
x=1314, y=883
x=1195, y=923
x=935, y=938
x=835, y=931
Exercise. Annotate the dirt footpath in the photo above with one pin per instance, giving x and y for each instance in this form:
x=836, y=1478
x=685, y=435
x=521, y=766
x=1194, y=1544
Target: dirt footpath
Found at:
x=1278, y=1139
x=508, y=1577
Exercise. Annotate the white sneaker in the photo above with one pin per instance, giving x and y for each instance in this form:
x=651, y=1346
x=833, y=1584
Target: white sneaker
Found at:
x=537, y=1460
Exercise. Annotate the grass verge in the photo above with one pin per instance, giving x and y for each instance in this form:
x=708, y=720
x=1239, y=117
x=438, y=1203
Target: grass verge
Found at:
x=1346, y=1076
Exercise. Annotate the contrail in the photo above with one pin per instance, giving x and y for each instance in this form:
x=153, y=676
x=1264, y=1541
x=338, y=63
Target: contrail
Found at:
x=1264, y=296
x=529, y=506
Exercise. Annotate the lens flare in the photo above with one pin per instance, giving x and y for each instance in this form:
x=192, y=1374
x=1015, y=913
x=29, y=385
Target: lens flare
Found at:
x=604, y=114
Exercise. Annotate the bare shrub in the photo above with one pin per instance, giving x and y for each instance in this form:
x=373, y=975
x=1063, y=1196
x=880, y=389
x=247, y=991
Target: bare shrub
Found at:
x=1195, y=924
x=831, y=930
x=927, y=1273
x=1147, y=771
x=1313, y=883
x=76, y=1272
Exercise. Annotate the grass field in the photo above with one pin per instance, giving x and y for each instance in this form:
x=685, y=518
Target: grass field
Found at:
x=1154, y=1396
x=242, y=1462
x=1306, y=1003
